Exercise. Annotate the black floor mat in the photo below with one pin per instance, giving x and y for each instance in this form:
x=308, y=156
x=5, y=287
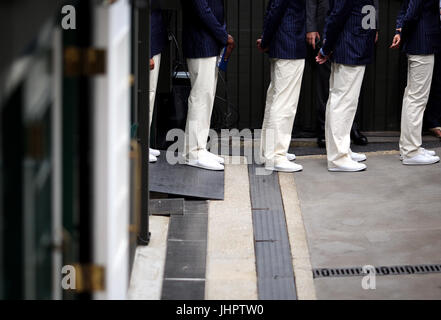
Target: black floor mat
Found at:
x=186, y=181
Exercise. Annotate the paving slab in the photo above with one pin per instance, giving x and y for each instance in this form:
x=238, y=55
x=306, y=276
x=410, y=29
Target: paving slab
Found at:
x=148, y=268
x=388, y=215
x=231, y=264
x=403, y=287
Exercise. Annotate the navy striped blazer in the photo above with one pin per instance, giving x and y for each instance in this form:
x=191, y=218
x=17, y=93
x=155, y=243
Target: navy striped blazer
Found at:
x=158, y=33
x=204, y=30
x=420, y=23
x=284, y=31
x=344, y=36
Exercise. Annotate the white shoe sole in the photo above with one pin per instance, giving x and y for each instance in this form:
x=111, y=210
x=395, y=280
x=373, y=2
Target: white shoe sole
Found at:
x=345, y=170
x=420, y=163
x=197, y=165
x=432, y=154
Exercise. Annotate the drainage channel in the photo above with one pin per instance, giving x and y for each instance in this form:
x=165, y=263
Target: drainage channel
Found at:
x=379, y=271
x=275, y=274
x=185, y=265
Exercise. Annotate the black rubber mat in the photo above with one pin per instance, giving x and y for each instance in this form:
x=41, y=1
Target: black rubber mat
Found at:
x=166, y=207
x=185, y=264
x=275, y=275
x=186, y=181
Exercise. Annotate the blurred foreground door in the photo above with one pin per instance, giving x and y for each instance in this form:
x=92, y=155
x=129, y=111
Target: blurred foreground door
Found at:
x=30, y=220
x=111, y=130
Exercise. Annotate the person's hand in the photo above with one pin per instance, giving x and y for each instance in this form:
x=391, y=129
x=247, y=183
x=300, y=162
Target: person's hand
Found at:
x=376, y=37
x=321, y=59
x=396, y=42
x=311, y=38
x=259, y=46
x=152, y=64
x=230, y=47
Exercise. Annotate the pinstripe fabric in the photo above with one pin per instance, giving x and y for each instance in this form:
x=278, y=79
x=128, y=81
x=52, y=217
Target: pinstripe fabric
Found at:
x=204, y=30
x=284, y=29
x=317, y=11
x=158, y=33
x=345, y=37
x=420, y=23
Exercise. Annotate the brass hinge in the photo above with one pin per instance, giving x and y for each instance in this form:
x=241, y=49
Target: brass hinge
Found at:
x=89, y=278
x=84, y=61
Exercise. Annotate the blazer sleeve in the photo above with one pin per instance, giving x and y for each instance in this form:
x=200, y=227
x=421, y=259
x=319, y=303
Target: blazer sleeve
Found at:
x=401, y=14
x=273, y=18
x=335, y=24
x=311, y=15
x=207, y=17
x=409, y=13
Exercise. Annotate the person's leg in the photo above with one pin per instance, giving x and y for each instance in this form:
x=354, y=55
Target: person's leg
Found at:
x=282, y=101
x=268, y=135
x=203, y=76
x=432, y=116
x=345, y=86
x=154, y=75
x=322, y=90
x=322, y=95
x=416, y=95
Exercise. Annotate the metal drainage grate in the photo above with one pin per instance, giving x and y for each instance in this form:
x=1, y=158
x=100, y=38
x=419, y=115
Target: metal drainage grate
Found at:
x=379, y=271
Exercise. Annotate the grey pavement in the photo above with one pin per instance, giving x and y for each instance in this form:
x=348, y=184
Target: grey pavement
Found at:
x=389, y=215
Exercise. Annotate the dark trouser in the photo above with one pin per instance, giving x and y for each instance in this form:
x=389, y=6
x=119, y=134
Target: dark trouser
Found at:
x=322, y=88
x=432, y=116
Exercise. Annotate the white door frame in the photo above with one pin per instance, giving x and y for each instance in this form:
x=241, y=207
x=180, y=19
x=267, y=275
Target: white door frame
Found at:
x=111, y=103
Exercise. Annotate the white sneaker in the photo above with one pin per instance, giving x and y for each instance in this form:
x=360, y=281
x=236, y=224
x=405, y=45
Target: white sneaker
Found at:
x=206, y=163
x=421, y=160
x=213, y=156
x=359, y=157
x=427, y=152
x=352, y=166
x=152, y=158
x=285, y=166
x=291, y=156
x=155, y=152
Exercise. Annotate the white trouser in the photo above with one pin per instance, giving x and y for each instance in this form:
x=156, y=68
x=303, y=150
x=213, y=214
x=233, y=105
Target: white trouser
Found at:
x=416, y=96
x=281, y=107
x=154, y=75
x=203, y=76
x=344, y=92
